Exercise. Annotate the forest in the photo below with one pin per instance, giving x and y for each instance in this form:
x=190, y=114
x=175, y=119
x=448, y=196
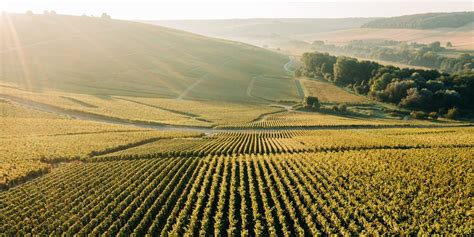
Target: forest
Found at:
x=426, y=90
x=431, y=55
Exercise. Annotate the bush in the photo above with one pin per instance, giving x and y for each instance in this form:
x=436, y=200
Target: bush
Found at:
x=452, y=113
x=342, y=108
x=418, y=115
x=433, y=115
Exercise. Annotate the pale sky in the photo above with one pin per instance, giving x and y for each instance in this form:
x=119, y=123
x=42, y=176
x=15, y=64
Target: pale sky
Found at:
x=225, y=9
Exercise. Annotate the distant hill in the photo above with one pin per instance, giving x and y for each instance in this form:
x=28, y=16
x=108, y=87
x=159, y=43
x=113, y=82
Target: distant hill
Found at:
x=263, y=27
x=264, y=32
x=424, y=21
x=112, y=57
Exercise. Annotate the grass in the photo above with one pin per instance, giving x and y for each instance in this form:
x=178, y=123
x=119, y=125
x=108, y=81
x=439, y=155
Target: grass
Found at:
x=330, y=93
x=215, y=112
x=43, y=52
x=275, y=88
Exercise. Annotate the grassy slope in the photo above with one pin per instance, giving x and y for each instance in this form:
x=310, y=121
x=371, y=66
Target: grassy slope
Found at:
x=98, y=56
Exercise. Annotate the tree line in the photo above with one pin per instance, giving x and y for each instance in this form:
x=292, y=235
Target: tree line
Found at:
x=424, y=21
x=425, y=55
x=426, y=90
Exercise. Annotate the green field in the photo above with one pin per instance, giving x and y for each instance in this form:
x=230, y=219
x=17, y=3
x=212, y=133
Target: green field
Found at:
x=112, y=57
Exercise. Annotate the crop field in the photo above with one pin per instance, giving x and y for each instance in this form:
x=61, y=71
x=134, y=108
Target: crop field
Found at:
x=459, y=38
x=276, y=89
x=296, y=119
x=297, y=141
x=147, y=110
x=327, y=92
x=376, y=191
x=106, y=106
x=217, y=113
x=30, y=140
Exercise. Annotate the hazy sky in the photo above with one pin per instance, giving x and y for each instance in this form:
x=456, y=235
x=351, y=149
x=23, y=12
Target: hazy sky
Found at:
x=223, y=9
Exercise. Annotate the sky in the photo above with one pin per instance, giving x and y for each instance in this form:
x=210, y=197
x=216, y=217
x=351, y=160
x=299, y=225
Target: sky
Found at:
x=226, y=9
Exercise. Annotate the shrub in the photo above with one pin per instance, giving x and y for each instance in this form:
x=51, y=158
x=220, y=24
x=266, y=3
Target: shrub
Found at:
x=342, y=108
x=433, y=115
x=452, y=113
x=418, y=115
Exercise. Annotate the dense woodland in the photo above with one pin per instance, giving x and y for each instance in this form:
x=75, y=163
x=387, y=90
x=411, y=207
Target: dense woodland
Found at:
x=426, y=55
x=424, y=21
x=427, y=90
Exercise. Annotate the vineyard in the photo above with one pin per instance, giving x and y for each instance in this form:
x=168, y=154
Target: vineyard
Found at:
x=32, y=141
x=376, y=191
x=296, y=119
x=295, y=141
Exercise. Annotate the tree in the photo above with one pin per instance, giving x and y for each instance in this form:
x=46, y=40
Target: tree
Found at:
x=345, y=71
x=449, y=44
x=298, y=72
x=318, y=43
x=415, y=98
x=312, y=102
x=29, y=13
x=397, y=90
x=342, y=108
x=105, y=16
x=435, y=46
x=380, y=83
x=350, y=71
x=452, y=113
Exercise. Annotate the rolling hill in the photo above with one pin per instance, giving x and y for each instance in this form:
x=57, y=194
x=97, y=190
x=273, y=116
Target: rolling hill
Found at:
x=424, y=21
x=278, y=32
x=296, y=35
x=111, y=57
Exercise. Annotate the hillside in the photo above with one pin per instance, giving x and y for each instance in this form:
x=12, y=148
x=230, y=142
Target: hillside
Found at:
x=111, y=57
x=263, y=27
x=424, y=21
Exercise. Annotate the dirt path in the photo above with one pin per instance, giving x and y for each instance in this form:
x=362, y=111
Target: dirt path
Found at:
x=250, y=87
x=287, y=65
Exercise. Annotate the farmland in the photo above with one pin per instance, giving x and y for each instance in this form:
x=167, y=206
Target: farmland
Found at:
x=161, y=132
x=334, y=192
